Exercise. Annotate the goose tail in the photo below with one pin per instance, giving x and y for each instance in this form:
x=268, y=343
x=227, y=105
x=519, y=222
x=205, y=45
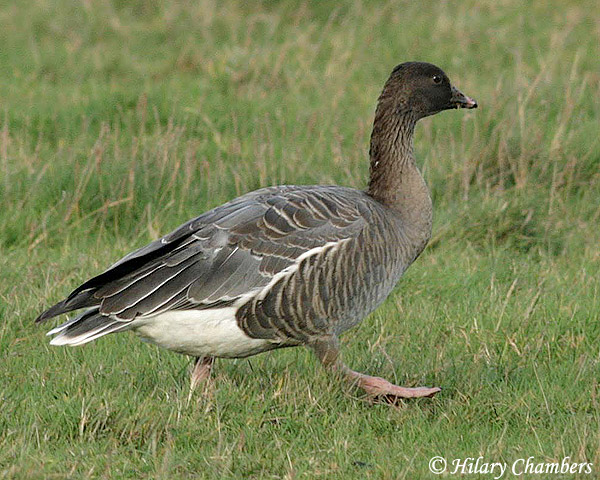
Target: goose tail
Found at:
x=86, y=327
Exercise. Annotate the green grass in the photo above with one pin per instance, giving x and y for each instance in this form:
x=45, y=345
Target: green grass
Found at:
x=122, y=119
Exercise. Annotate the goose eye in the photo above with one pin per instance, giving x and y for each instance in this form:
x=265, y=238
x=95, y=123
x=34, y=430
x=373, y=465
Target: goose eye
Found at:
x=437, y=79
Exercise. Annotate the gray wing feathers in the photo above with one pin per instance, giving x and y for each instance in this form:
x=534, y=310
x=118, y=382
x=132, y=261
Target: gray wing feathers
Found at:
x=228, y=254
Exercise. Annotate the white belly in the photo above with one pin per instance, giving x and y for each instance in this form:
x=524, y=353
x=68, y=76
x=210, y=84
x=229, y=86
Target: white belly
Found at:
x=199, y=333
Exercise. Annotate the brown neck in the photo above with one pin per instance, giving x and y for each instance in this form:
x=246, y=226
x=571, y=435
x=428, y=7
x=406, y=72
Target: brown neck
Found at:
x=395, y=180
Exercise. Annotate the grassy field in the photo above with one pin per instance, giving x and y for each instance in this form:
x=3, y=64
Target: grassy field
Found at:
x=121, y=119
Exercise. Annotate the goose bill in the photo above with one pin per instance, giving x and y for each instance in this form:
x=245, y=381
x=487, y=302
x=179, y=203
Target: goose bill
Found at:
x=460, y=100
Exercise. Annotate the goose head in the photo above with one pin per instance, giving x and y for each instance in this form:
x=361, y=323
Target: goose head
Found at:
x=421, y=89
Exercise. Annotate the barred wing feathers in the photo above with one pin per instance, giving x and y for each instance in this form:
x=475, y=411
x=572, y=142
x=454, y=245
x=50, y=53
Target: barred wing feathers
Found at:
x=224, y=257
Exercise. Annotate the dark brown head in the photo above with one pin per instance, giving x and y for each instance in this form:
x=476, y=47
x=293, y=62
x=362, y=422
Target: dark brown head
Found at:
x=421, y=89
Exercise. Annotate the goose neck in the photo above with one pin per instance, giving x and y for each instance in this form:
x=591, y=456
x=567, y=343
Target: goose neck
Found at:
x=395, y=180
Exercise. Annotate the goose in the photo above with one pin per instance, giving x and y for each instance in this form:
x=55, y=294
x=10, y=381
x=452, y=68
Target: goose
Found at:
x=280, y=266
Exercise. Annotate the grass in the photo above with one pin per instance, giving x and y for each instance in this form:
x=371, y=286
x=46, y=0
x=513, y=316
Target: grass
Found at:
x=121, y=120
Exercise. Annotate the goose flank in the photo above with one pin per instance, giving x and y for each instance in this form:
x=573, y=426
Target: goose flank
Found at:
x=281, y=266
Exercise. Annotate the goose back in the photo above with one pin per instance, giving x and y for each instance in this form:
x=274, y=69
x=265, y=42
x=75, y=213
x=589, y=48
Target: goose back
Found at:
x=296, y=262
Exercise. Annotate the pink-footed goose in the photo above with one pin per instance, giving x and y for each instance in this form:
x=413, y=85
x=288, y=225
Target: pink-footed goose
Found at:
x=281, y=266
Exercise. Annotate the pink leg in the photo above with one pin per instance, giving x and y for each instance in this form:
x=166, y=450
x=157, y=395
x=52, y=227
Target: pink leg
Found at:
x=379, y=387
x=201, y=372
x=328, y=352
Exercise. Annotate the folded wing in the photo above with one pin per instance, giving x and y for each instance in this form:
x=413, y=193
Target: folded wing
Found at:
x=224, y=257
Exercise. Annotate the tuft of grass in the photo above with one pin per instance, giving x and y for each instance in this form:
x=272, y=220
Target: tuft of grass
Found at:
x=121, y=120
